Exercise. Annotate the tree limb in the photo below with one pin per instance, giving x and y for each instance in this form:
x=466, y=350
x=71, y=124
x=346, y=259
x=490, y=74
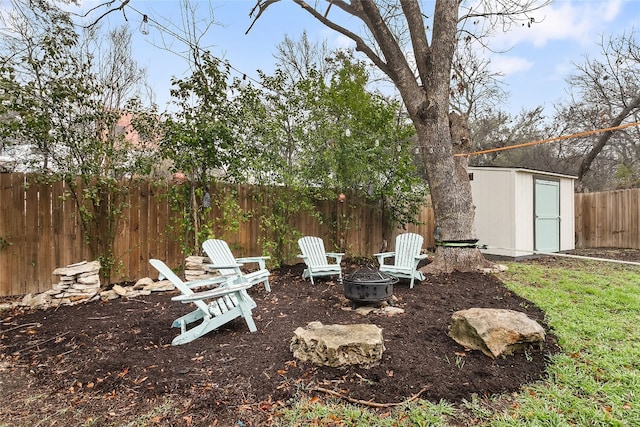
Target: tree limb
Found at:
x=418, y=34
x=261, y=6
x=604, y=138
x=360, y=43
x=123, y=4
x=368, y=402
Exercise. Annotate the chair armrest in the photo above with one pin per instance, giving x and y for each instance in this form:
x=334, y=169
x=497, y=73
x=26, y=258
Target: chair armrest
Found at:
x=335, y=254
x=259, y=259
x=383, y=255
x=421, y=256
x=213, y=293
x=218, y=267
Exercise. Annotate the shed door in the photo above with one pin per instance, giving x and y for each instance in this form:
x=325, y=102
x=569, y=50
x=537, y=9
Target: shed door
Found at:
x=547, y=215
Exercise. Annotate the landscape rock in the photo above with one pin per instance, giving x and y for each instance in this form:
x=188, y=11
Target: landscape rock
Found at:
x=145, y=281
x=195, y=268
x=161, y=286
x=384, y=310
x=76, y=269
x=338, y=345
x=495, y=332
x=119, y=290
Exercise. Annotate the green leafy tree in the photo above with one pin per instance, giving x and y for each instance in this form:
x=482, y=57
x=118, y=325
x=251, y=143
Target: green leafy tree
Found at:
x=64, y=109
x=365, y=142
x=203, y=141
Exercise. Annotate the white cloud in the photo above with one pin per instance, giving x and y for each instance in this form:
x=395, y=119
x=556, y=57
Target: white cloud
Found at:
x=341, y=41
x=508, y=65
x=578, y=21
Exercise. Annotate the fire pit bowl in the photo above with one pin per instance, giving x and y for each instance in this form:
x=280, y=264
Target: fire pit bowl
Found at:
x=368, y=285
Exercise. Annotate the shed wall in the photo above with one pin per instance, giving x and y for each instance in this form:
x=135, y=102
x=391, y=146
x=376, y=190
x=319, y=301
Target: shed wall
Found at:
x=567, y=214
x=494, y=196
x=504, y=199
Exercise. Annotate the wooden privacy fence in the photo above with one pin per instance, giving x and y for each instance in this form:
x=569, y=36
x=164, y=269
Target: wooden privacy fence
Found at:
x=40, y=231
x=608, y=219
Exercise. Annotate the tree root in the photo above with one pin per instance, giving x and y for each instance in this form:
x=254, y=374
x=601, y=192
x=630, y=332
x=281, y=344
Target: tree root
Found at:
x=368, y=402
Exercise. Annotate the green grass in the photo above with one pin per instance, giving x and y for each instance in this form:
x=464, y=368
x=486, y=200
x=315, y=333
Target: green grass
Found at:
x=594, y=310
x=334, y=413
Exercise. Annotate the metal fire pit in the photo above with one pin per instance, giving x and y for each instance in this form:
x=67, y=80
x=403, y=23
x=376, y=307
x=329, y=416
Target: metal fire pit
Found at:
x=368, y=285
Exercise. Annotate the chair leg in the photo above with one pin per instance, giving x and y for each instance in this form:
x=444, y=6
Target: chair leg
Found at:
x=246, y=313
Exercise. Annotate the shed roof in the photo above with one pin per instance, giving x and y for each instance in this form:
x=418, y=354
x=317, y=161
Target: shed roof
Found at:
x=523, y=170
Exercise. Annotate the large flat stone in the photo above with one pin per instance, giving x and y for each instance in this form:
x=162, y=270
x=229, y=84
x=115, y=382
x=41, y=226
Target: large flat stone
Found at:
x=495, y=332
x=338, y=345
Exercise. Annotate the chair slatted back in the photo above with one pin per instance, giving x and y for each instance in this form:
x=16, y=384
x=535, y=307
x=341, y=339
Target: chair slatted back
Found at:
x=313, y=247
x=219, y=249
x=408, y=246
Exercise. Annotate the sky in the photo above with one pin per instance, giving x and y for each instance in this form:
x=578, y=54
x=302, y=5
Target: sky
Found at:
x=535, y=61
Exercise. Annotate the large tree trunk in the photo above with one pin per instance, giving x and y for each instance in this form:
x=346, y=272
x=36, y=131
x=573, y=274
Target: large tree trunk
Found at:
x=440, y=135
x=451, y=196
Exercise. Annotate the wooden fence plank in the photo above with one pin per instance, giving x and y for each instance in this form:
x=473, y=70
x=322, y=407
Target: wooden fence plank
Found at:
x=143, y=209
x=46, y=253
x=18, y=272
x=32, y=233
x=6, y=238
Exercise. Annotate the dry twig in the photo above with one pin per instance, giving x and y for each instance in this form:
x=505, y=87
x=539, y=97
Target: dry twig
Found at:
x=368, y=402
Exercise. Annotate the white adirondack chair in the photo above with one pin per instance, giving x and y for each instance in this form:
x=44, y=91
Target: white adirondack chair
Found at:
x=316, y=259
x=406, y=256
x=227, y=265
x=215, y=307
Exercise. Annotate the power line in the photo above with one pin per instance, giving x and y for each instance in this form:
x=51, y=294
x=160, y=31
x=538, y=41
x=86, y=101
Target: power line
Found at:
x=544, y=141
x=146, y=18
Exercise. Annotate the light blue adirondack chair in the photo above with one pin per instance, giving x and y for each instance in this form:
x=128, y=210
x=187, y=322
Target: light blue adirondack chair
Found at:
x=406, y=256
x=223, y=261
x=215, y=307
x=316, y=259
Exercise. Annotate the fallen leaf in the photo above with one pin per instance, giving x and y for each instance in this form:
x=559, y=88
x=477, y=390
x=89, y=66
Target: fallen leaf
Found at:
x=266, y=406
x=141, y=380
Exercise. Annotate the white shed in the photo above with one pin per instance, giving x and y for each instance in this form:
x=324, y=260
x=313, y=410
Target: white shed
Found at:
x=520, y=212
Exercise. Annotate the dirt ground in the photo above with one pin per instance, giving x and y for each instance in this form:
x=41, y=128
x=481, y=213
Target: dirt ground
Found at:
x=107, y=362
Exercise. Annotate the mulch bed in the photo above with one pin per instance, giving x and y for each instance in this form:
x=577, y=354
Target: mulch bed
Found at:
x=113, y=360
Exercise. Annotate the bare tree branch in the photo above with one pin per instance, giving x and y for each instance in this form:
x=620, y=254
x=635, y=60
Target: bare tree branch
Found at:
x=604, y=138
x=418, y=33
x=261, y=6
x=360, y=43
x=107, y=4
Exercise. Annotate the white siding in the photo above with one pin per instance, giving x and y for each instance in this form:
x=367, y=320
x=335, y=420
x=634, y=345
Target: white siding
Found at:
x=494, y=197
